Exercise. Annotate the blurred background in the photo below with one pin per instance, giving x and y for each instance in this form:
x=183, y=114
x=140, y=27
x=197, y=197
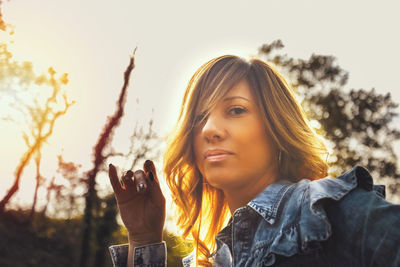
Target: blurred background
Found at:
x=65, y=113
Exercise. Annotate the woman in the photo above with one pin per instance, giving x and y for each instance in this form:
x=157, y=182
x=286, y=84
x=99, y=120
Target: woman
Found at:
x=243, y=150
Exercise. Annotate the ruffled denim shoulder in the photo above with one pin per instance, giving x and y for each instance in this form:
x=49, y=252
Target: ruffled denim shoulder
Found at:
x=303, y=222
x=333, y=189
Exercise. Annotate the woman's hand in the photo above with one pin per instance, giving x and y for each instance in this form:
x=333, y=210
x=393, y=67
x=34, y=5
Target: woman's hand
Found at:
x=141, y=203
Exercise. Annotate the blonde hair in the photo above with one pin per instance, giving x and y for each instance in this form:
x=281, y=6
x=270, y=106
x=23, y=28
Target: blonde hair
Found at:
x=301, y=151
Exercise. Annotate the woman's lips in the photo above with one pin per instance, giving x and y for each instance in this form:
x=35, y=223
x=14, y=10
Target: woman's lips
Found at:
x=216, y=155
x=215, y=158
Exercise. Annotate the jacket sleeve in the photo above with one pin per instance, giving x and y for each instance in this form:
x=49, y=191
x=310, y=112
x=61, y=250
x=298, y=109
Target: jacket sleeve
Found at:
x=367, y=227
x=149, y=255
x=381, y=232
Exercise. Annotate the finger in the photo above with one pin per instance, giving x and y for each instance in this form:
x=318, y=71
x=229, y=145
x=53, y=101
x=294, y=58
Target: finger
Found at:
x=127, y=179
x=154, y=185
x=140, y=181
x=150, y=170
x=112, y=174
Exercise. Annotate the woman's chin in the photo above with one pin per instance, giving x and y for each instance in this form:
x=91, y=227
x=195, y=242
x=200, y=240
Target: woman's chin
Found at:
x=216, y=185
x=219, y=181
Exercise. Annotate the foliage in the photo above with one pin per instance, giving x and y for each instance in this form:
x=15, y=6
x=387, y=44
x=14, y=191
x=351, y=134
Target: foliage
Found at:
x=34, y=101
x=46, y=242
x=65, y=195
x=106, y=224
x=357, y=123
x=54, y=242
x=177, y=249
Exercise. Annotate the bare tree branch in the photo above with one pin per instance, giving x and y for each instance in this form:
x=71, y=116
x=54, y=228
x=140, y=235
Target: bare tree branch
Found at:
x=41, y=128
x=104, y=139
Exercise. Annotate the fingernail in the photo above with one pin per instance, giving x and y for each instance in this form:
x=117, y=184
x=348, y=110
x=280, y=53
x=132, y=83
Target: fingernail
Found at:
x=151, y=176
x=140, y=187
x=129, y=174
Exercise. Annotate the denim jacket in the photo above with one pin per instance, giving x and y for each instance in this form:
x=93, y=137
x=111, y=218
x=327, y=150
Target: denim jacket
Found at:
x=341, y=221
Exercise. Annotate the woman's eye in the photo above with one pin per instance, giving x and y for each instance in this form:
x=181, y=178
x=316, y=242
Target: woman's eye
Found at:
x=237, y=111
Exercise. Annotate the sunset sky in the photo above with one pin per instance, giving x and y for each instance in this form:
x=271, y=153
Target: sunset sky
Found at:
x=91, y=41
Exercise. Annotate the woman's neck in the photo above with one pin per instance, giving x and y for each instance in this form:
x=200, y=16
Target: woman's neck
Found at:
x=240, y=196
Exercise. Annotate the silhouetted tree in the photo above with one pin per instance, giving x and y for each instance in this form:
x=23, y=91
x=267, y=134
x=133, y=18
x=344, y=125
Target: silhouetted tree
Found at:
x=50, y=188
x=358, y=123
x=63, y=195
x=91, y=199
x=144, y=144
x=106, y=224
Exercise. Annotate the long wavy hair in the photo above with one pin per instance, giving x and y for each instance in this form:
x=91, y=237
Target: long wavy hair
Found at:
x=201, y=206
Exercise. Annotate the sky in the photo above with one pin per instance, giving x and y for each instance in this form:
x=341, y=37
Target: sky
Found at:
x=92, y=40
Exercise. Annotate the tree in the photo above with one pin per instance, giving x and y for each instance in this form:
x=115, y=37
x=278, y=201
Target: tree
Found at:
x=3, y=25
x=356, y=122
x=64, y=196
x=106, y=225
x=41, y=100
x=98, y=160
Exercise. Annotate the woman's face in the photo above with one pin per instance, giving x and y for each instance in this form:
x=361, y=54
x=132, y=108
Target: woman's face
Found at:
x=232, y=148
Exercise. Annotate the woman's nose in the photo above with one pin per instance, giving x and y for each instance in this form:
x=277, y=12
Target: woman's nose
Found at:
x=213, y=129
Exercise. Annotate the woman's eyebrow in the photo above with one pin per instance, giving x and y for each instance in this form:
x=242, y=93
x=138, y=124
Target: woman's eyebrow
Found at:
x=233, y=97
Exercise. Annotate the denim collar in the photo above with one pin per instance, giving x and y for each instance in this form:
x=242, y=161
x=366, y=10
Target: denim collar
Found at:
x=268, y=202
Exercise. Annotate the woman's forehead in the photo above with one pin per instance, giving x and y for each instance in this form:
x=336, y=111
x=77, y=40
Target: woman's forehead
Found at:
x=240, y=90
